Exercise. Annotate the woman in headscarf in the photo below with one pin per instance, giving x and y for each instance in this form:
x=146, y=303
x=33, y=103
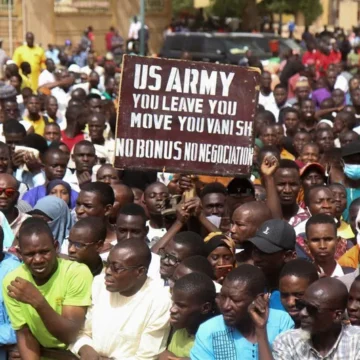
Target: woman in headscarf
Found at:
x=220, y=251
x=56, y=213
x=60, y=189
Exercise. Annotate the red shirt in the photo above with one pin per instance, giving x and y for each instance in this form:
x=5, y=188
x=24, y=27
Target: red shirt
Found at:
x=310, y=57
x=71, y=142
x=335, y=57
x=108, y=38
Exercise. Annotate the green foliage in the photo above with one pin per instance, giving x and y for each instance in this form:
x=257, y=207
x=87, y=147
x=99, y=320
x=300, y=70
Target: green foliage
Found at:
x=180, y=5
x=228, y=8
x=311, y=9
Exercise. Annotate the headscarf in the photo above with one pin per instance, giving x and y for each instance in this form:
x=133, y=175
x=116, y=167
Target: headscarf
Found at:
x=217, y=239
x=57, y=182
x=57, y=210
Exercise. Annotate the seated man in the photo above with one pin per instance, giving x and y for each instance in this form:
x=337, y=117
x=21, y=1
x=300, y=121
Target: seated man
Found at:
x=97, y=199
x=85, y=241
x=322, y=334
x=193, y=300
x=181, y=246
x=273, y=247
x=129, y=317
x=8, y=200
x=55, y=162
x=8, y=263
x=232, y=335
x=131, y=224
x=295, y=277
x=353, y=305
x=46, y=297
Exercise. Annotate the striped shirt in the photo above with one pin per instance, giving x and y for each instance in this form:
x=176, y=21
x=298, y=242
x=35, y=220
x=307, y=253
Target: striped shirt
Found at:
x=296, y=345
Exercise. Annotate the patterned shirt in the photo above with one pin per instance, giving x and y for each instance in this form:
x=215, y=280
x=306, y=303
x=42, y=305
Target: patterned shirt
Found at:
x=217, y=341
x=295, y=345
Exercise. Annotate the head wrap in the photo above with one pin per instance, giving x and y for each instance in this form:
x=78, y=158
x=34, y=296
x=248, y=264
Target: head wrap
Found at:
x=57, y=210
x=217, y=239
x=55, y=183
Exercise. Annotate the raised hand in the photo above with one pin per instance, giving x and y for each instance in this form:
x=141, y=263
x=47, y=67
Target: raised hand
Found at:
x=259, y=310
x=269, y=165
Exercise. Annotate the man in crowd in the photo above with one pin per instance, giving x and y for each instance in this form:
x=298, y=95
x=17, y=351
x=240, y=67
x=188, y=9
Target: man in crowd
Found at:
x=84, y=157
x=32, y=53
x=322, y=334
x=8, y=263
x=32, y=292
x=234, y=328
x=85, y=241
x=129, y=317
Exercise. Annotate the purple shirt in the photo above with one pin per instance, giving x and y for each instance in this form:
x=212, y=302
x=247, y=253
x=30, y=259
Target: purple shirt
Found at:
x=33, y=195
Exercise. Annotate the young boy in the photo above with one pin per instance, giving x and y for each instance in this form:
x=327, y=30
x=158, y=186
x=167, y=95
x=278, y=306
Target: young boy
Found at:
x=295, y=277
x=193, y=303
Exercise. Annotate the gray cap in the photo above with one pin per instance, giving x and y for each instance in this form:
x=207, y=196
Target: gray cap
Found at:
x=7, y=91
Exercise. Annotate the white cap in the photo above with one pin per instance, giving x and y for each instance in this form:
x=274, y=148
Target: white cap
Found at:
x=74, y=68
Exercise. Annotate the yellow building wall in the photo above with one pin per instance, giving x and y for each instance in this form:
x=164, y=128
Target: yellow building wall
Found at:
x=348, y=14
x=53, y=27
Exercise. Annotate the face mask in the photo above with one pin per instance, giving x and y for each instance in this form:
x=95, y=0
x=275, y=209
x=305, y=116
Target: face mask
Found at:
x=215, y=220
x=352, y=171
x=49, y=142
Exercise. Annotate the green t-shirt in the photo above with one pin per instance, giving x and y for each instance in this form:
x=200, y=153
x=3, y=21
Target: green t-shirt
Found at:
x=70, y=285
x=181, y=343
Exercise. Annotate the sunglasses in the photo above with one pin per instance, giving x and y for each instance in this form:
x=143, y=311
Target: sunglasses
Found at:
x=173, y=260
x=312, y=310
x=9, y=192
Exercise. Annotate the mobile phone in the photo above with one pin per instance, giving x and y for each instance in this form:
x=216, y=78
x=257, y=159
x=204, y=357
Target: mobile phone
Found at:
x=222, y=271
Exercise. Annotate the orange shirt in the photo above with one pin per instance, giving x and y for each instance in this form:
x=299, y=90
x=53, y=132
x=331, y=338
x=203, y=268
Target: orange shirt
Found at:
x=350, y=258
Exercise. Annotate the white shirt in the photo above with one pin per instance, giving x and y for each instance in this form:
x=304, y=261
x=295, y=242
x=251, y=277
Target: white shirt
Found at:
x=338, y=271
x=127, y=328
x=267, y=101
x=46, y=77
x=134, y=30
x=62, y=98
x=154, y=235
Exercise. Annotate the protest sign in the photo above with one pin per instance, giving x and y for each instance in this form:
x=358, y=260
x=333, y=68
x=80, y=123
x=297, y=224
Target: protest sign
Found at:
x=186, y=117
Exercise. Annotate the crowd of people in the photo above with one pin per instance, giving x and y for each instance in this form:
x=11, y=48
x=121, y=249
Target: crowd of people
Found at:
x=98, y=263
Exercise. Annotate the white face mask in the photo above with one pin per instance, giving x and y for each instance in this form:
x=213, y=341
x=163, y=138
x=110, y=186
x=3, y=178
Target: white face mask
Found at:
x=357, y=224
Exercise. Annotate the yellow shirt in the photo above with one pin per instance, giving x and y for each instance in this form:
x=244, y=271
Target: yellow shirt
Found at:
x=181, y=343
x=39, y=125
x=26, y=81
x=345, y=231
x=69, y=286
x=35, y=56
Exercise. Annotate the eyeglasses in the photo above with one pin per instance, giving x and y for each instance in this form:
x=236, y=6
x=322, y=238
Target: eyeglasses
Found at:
x=79, y=245
x=173, y=260
x=9, y=192
x=312, y=310
x=116, y=268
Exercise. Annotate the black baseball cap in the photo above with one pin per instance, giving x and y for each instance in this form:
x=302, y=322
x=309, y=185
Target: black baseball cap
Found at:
x=273, y=236
x=241, y=186
x=351, y=149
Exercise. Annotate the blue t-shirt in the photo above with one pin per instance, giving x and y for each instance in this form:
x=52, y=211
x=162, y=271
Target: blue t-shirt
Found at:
x=216, y=341
x=7, y=334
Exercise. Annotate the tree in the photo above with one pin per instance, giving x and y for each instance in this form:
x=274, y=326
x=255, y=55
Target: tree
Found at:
x=311, y=9
x=181, y=5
